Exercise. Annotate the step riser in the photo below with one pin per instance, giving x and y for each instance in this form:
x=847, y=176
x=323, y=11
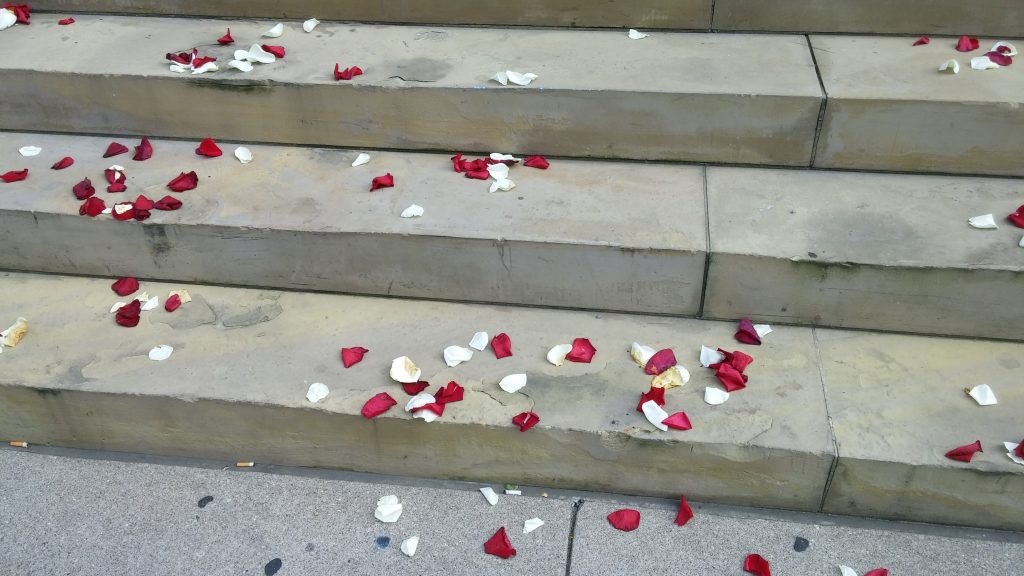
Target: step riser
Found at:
x=765, y=130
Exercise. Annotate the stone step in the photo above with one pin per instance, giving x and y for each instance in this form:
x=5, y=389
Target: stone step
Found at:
x=674, y=96
x=234, y=390
x=997, y=17
x=877, y=251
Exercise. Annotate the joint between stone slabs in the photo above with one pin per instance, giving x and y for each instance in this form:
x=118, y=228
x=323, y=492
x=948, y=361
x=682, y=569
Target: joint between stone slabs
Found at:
x=828, y=416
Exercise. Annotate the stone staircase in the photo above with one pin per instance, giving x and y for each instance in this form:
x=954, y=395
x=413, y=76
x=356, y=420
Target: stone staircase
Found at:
x=817, y=182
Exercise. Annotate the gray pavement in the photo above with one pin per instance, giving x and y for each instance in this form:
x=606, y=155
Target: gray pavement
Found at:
x=84, y=513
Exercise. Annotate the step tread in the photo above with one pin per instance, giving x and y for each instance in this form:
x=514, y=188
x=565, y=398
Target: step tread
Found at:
x=427, y=57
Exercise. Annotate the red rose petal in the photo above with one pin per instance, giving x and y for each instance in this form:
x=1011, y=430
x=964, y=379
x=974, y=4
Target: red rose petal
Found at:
x=337, y=72
x=967, y=44
x=63, y=163
x=140, y=214
x=730, y=378
x=678, y=421
x=125, y=286
x=347, y=73
x=450, y=393
x=173, y=303
x=525, y=420
x=21, y=11
x=92, y=207
x=965, y=453
x=685, y=513
x=117, y=187
x=127, y=214
x=183, y=58
x=144, y=151
x=582, y=351
x=65, y=21
x=199, y=61
x=83, y=189
x=757, y=565
x=226, y=39
x=478, y=174
x=352, y=356
x=167, y=203
x=1017, y=217
x=378, y=405
x=736, y=359
x=626, y=519
x=746, y=333
x=114, y=176
x=385, y=181
x=502, y=345
x=433, y=407
x=128, y=315
x=536, y=162
x=499, y=545
x=1019, y=450
x=878, y=572
x=656, y=394
x=114, y=149
x=999, y=58
x=415, y=387
x=184, y=182
x=143, y=203
x=922, y=41
x=277, y=51
x=15, y=175
x=661, y=361
x=208, y=148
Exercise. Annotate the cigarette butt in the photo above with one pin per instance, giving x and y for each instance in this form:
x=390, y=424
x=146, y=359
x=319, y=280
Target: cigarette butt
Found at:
x=244, y=464
x=18, y=444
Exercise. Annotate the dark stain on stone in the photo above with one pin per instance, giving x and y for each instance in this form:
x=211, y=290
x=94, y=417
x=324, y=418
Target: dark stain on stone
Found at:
x=156, y=238
x=272, y=567
x=382, y=542
x=310, y=547
x=801, y=544
x=234, y=87
x=47, y=391
x=204, y=501
x=812, y=255
x=237, y=316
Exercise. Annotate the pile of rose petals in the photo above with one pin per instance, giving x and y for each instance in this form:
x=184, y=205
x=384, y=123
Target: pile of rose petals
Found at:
x=667, y=374
x=12, y=14
x=128, y=315
x=581, y=350
x=1000, y=55
x=191, y=62
x=496, y=166
x=347, y=73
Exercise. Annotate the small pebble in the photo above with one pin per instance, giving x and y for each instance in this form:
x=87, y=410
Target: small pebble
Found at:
x=272, y=567
x=204, y=501
x=801, y=544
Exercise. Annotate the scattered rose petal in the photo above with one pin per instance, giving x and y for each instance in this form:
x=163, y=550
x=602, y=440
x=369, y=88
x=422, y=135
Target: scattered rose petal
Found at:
x=452, y=392
x=762, y=330
x=641, y=354
x=184, y=182
x=208, y=148
x=409, y=546
x=378, y=405
x=661, y=360
x=15, y=175
x=965, y=453
x=347, y=73
x=277, y=51
x=878, y=572
x=144, y=151
x=275, y=31
x=167, y=203
x=114, y=149
x=558, y=354
x=404, y=371
x=498, y=171
x=536, y=162
x=967, y=44
x=532, y=524
x=182, y=294
x=389, y=509
x=685, y=513
x=525, y=420
x=500, y=157
x=385, y=181
x=983, y=222
x=7, y=18
x=226, y=39
x=678, y=421
x=1021, y=243
x=709, y=356
x=922, y=41
x=1004, y=48
x=243, y=154
x=1019, y=450
x=14, y=333
x=655, y=394
x=731, y=378
x=30, y=150
x=143, y=203
x=150, y=303
x=983, y=63
x=92, y=207
x=241, y=65
x=1015, y=451
x=502, y=345
x=83, y=189
x=512, y=383
x=479, y=341
x=581, y=351
x=655, y=415
x=65, y=21
x=999, y=58
x=207, y=66
x=983, y=395
x=757, y=565
x=1017, y=218
x=413, y=211
x=352, y=356
x=736, y=359
x=310, y=24
x=499, y=545
x=636, y=35
x=125, y=286
x=674, y=377
x=363, y=158
x=714, y=396
x=128, y=315
x=503, y=185
x=63, y=163
x=173, y=303
x=414, y=388
x=161, y=353
x=950, y=67
x=455, y=355
x=318, y=391
x=847, y=571
x=490, y=495
x=626, y=519
x=746, y=333
x=124, y=211
x=521, y=79
x=116, y=178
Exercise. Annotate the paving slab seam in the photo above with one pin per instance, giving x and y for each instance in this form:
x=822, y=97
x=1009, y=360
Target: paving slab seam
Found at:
x=707, y=242
x=576, y=505
x=828, y=417
x=824, y=103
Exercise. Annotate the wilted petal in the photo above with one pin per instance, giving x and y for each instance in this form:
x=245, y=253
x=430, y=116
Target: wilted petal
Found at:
x=983, y=395
x=502, y=345
x=479, y=341
x=525, y=420
x=532, y=524
x=661, y=360
x=205, y=67
x=275, y=31
x=674, y=377
x=352, y=356
x=414, y=388
x=499, y=545
x=490, y=495
x=757, y=565
x=385, y=181
x=419, y=401
x=522, y=79
x=455, y=355
x=363, y=158
x=636, y=35
x=180, y=69
x=125, y=286
x=877, y=572
x=92, y=207
x=512, y=383
x=240, y=65
x=965, y=453
x=128, y=315
x=967, y=44
x=124, y=211
x=714, y=396
x=389, y=509
x=63, y=163
x=626, y=519
x=404, y=371
x=641, y=354
x=409, y=546
x=378, y=405
x=677, y=421
x=730, y=378
x=983, y=222
x=30, y=150
x=161, y=353
x=922, y=41
x=310, y=24
x=167, y=203
x=1017, y=218
x=413, y=211
x=150, y=303
x=655, y=415
x=14, y=333
x=226, y=39
x=347, y=73
x=746, y=333
x=558, y=354
x=114, y=149
x=581, y=351
x=983, y=63
x=536, y=162
x=83, y=189
x=184, y=182
x=144, y=151
x=685, y=513
x=950, y=67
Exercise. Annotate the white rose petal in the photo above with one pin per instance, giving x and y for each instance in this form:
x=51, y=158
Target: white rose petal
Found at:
x=501, y=78
x=714, y=396
x=241, y=55
x=762, y=330
x=950, y=67
x=258, y=54
x=363, y=158
x=489, y=493
x=532, y=524
x=409, y=546
x=997, y=45
x=122, y=208
x=30, y=150
x=309, y=25
x=983, y=395
x=7, y=18
x=522, y=79
x=208, y=67
x=275, y=31
x=1010, y=448
x=317, y=392
x=1021, y=243
x=389, y=509
x=117, y=306
x=655, y=415
x=498, y=171
x=512, y=383
x=418, y=401
x=241, y=65
x=557, y=354
x=675, y=376
x=455, y=355
x=636, y=35
x=499, y=157
x=413, y=211
x=847, y=571
x=178, y=68
x=479, y=341
x=503, y=185
x=709, y=356
x=150, y=304
x=983, y=63
x=640, y=353
x=404, y=371
x=243, y=154
x=182, y=294
x=161, y=353
x=983, y=222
